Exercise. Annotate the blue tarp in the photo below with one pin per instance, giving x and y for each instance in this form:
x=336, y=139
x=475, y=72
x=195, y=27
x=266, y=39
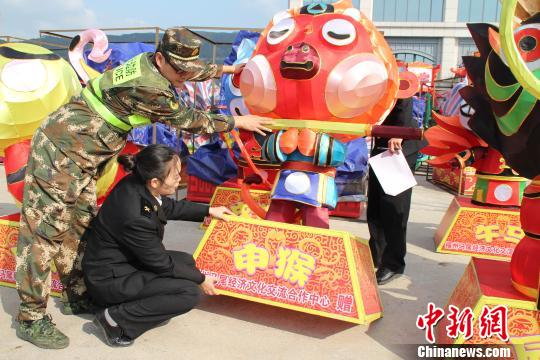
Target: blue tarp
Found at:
x=353, y=169
x=121, y=52
x=212, y=163
x=242, y=34
x=231, y=101
x=164, y=135
x=355, y=165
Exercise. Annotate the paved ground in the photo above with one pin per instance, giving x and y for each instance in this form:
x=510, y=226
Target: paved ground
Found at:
x=227, y=328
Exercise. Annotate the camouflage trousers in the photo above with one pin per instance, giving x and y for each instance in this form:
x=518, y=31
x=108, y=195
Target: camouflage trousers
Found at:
x=59, y=203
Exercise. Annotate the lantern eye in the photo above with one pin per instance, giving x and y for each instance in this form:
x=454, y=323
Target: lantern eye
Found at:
x=527, y=43
x=24, y=75
x=339, y=32
x=527, y=38
x=280, y=31
x=465, y=113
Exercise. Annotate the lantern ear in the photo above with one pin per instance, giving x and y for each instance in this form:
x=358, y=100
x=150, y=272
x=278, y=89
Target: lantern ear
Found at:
x=354, y=13
x=280, y=16
x=408, y=85
x=295, y=4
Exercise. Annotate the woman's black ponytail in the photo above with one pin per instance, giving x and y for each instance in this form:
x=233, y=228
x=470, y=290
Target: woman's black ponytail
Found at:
x=128, y=162
x=151, y=162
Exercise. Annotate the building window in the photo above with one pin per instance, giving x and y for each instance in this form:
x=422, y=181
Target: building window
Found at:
x=408, y=10
x=466, y=47
x=409, y=49
x=479, y=11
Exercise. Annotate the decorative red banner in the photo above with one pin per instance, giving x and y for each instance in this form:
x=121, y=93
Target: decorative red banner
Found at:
x=450, y=178
x=9, y=232
x=480, y=231
x=322, y=272
x=487, y=284
x=230, y=197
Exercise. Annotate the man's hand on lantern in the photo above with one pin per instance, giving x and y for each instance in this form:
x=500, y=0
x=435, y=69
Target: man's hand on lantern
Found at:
x=237, y=68
x=233, y=69
x=394, y=145
x=253, y=123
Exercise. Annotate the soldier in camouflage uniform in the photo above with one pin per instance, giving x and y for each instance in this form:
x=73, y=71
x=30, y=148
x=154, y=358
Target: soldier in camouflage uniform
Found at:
x=70, y=148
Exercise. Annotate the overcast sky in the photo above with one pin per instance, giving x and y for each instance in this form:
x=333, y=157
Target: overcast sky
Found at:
x=24, y=18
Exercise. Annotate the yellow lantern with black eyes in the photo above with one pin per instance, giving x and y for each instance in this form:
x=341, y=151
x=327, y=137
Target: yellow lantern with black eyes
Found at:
x=33, y=83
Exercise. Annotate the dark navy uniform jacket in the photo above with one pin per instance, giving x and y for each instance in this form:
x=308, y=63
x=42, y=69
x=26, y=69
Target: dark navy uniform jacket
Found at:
x=125, y=241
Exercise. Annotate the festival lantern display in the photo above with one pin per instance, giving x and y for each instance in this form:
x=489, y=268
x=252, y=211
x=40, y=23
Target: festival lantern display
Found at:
x=487, y=225
x=322, y=71
x=235, y=105
x=15, y=166
x=232, y=99
x=511, y=123
x=100, y=52
x=33, y=83
x=326, y=75
x=324, y=62
x=504, y=94
x=461, y=178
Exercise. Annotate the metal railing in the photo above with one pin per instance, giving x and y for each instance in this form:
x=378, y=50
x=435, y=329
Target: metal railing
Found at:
x=9, y=38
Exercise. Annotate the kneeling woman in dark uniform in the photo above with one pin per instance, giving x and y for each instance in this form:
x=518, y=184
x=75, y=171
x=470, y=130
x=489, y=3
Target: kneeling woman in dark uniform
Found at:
x=127, y=269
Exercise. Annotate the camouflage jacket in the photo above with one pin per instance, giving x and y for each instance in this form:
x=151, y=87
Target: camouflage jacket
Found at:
x=87, y=139
x=137, y=88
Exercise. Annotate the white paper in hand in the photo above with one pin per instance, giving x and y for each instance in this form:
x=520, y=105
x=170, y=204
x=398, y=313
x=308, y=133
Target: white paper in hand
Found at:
x=393, y=172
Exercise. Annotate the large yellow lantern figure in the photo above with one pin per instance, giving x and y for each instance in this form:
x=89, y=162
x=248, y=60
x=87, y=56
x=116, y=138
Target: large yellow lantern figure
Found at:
x=33, y=83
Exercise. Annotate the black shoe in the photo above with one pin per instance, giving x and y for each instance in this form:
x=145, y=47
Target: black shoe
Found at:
x=385, y=275
x=113, y=334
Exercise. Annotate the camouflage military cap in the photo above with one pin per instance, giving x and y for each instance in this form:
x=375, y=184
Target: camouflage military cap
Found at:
x=181, y=49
